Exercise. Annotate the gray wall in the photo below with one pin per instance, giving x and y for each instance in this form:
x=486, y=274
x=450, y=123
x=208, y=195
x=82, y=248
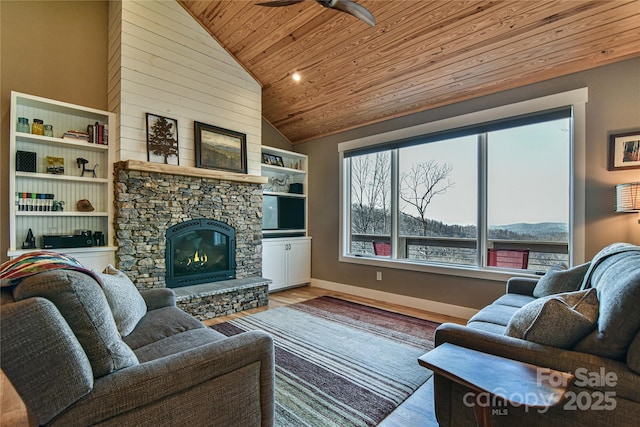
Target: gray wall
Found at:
x=613, y=107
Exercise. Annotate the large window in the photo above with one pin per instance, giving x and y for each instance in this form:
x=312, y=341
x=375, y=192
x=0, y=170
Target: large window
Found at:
x=492, y=195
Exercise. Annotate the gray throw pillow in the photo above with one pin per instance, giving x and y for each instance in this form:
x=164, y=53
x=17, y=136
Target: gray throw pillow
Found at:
x=558, y=280
x=82, y=303
x=558, y=320
x=617, y=279
x=127, y=305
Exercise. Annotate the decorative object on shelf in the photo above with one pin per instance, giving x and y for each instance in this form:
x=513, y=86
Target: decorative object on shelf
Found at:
x=55, y=165
x=279, y=161
x=58, y=205
x=628, y=197
x=23, y=125
x=82, y=162
x=266, y=159
x=30, y=241
x=162, y=140
x=25, y=161
x=98, y=238
x=37, y=128
x=34, y=202
x=280, y=184
x=84, y=206
x=218, y=148
x=624, y=151
x=48, y=130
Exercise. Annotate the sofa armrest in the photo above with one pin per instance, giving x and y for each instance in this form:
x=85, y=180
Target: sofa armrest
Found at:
x=215, y=384
x=521, y=285
x=158, y=298
x=626, y=386
x=42, y=357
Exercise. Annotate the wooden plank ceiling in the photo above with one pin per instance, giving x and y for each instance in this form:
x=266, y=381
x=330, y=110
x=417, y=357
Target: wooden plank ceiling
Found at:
x=421, y=54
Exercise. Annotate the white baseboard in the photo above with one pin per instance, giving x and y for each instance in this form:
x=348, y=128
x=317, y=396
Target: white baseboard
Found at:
x=418, y=303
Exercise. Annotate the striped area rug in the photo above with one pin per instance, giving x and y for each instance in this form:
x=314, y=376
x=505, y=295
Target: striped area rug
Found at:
x=340, y=363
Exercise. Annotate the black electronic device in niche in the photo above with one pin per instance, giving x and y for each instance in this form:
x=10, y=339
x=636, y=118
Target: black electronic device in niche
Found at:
x=83, y=240
x=283, y=213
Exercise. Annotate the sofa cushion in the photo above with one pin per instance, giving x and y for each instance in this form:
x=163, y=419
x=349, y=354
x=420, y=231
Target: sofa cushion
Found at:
x=495, y=313
x=127, y=305
x=159, y=324
x=557, y=320
x=82, y=303
x=177, y=343
x=514, y=300
x=617, y=280
x=487, y=327
x=558, y=280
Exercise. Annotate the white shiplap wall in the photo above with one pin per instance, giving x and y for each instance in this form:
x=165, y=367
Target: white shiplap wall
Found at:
x=161, y=61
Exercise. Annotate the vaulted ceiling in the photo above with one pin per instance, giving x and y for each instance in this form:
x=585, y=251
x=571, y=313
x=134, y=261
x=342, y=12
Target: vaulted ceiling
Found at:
x=421, y=54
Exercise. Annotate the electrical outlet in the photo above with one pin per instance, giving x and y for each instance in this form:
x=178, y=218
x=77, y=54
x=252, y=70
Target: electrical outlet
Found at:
x=378, y=275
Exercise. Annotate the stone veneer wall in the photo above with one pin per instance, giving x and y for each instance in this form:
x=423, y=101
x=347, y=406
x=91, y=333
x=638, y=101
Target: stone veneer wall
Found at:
x=148, y=203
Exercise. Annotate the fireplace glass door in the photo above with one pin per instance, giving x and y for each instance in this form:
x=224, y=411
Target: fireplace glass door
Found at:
x=199, y=253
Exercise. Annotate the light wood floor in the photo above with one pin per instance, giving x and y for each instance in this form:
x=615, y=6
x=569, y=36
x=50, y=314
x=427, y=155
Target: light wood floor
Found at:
x=416, y=411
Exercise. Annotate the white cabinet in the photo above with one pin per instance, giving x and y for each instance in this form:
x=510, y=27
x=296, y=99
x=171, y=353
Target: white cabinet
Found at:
x=34, y=183
x=286, y=261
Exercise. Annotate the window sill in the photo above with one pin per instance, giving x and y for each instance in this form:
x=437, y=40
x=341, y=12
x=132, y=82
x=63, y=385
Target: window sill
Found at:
x=449, y=270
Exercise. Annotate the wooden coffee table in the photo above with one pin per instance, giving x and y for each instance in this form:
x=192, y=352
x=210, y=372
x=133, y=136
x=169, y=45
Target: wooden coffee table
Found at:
x=487, y=376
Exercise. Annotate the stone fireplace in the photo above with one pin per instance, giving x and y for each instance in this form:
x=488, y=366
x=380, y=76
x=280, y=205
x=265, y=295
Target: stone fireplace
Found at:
x=153, y=202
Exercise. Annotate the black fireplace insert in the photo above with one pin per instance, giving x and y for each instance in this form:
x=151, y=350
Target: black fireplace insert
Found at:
x=200, y=251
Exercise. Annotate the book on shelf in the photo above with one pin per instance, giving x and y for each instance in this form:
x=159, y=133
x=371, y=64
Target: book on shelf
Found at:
x=76, y=134
x=98, y=133
x=34, y=202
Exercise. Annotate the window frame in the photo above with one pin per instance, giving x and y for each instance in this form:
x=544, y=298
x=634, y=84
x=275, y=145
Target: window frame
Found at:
x=575, y=99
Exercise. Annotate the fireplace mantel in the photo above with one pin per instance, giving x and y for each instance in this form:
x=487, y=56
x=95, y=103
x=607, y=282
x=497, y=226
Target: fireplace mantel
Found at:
x=137, y=165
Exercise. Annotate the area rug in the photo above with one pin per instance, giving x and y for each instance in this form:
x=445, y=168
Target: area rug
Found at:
x=340, y=363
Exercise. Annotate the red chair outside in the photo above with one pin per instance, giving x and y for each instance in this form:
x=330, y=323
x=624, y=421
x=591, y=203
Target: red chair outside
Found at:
x=509, y=258
x=381, y=248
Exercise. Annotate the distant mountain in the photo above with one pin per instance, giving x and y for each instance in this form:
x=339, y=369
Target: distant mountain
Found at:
x=534, y=229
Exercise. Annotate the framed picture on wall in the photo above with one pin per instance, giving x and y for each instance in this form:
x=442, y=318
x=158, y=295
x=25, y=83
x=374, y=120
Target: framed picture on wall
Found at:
x=162, y=140
x=624, y=151
x=218, y=148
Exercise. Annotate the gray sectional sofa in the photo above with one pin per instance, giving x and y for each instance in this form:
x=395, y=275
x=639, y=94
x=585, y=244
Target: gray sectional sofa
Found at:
x=584, y=320
x=86, y=348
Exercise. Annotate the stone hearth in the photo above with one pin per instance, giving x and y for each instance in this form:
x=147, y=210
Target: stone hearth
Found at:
x=150, y=198
x=210, y=300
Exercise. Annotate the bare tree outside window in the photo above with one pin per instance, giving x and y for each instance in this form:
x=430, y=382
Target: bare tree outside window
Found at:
x=421, y=184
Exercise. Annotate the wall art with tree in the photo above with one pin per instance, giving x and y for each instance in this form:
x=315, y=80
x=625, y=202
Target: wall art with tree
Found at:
x=162, y=140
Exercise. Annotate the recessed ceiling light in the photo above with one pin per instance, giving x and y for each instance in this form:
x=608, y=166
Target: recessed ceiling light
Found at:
x=295, y=76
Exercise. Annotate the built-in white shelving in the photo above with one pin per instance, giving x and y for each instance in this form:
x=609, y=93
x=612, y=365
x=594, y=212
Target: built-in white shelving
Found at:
x=68, y=187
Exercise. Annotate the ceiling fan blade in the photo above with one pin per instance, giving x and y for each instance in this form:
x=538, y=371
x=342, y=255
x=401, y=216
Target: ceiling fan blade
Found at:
x=354, y=9
x=278, y=3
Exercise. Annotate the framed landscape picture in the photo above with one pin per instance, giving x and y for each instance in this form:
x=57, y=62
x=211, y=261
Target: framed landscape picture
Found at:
x=218, y=148
x=624, y=151
x=162, y=140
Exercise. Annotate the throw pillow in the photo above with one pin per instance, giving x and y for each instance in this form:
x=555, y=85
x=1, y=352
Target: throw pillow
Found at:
x=80, y=300
x=558, y=280
x=617, y=279
x=558, y=320
x=127, y=305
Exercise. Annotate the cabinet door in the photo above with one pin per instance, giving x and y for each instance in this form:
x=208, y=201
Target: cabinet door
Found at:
x=274, y=263
x=299, y=254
